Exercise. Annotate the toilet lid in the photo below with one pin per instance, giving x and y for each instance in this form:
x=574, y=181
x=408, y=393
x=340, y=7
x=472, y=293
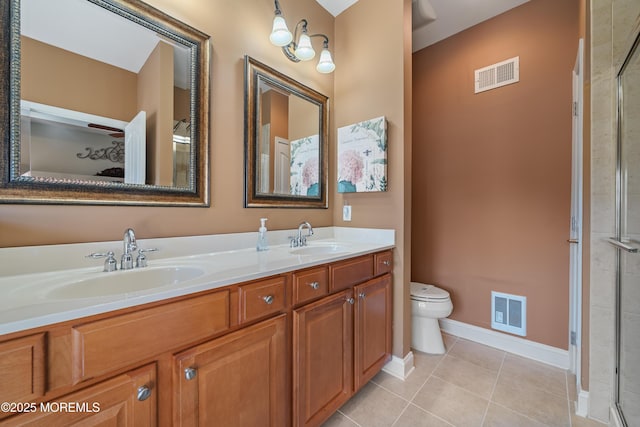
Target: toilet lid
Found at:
x=427, y=292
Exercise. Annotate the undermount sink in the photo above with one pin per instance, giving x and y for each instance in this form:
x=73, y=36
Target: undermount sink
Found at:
x=320, y=249
x=124, y=282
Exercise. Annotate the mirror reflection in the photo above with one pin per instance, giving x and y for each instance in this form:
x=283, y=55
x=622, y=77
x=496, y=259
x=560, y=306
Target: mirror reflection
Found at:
x=286, y=140
x=109, y=104
x=102, y=97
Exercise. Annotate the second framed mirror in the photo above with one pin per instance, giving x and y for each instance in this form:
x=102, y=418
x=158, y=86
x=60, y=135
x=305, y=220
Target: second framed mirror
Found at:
x=286, y=140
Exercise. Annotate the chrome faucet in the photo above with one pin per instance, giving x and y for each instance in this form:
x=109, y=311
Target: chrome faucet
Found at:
x=301, y=240
x=129, y=240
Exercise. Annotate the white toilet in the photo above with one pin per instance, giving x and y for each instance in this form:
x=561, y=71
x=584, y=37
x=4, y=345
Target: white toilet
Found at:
x=428, y=304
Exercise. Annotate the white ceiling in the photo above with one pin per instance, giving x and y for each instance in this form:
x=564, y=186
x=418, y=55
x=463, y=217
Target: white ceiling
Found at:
x=451, y=16
x=90, y=30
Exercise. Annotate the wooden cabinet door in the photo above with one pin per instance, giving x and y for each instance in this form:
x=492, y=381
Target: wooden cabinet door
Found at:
x=372, y=323
x=128, y=400
x=322, y=358
x=235, y=380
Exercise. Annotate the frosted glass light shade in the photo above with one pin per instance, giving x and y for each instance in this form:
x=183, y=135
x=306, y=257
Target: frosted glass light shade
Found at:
x=280, y=34
x=325, y=64
x=304, y=50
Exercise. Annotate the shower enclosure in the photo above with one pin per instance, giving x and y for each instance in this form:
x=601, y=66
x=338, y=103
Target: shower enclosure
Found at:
x=627, y=239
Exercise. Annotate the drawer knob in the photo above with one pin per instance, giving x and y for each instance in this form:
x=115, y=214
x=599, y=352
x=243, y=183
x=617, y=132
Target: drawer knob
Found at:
x=190, y=373
x=361, y=295
x=314, y=285
x=268, y=299
x=386, y=262
x=351, y=301
x=144, y=393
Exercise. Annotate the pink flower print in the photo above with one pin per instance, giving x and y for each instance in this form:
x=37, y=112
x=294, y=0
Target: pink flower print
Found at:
x=310, y=172
x=351, y=167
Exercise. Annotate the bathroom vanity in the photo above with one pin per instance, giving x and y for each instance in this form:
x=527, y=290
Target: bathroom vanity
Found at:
x=279, y=341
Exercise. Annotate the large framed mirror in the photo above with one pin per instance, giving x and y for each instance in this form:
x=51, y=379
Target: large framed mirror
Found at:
x=104, y=102
x=286, y=140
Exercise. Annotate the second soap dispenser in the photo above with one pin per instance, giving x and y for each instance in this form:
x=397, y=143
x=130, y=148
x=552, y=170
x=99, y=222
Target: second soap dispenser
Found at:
x=262, y=244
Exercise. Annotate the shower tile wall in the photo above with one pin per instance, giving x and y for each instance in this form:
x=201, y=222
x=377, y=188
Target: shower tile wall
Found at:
x=612, y=20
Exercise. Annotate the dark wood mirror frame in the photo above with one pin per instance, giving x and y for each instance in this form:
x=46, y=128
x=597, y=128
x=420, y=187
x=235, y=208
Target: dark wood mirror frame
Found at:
x=14, y=189
x=254, y=73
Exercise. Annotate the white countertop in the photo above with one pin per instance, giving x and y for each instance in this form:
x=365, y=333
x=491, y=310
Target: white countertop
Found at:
x=30, y=277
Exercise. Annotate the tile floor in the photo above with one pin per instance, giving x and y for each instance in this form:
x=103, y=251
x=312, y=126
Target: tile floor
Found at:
x=471, y=385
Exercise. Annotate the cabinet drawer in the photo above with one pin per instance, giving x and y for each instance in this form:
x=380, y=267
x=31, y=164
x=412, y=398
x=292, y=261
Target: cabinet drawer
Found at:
x=130, y=399
x=22, y=369
x=310, y=284
x=350, y=272
x=383, y=263
x=262, y=298
x=106, y=345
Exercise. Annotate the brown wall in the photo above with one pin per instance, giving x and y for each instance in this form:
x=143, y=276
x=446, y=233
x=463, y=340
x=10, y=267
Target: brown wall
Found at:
x=22, y=225
x=491, y=195
x=155, y=97
x=373, y=78
x=64, y=79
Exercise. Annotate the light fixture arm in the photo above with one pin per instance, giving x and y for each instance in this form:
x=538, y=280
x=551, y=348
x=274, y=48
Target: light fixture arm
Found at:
x=289, y=50
x=297, y=46
x=278, y=11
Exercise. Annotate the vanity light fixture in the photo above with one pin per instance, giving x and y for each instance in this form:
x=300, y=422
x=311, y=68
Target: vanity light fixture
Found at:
x=299, y=48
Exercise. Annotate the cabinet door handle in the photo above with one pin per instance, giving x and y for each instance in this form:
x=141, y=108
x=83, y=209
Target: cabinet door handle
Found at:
x=268, y=299
x=351, y=301
x=144, y=393
x=314, y=285
x=386, y=262
x=190, y=373
x=361, y=295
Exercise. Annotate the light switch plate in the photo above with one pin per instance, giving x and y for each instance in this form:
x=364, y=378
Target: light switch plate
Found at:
x=346, y=213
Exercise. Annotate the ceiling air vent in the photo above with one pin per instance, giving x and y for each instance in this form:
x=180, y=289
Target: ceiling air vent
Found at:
x=496, y=75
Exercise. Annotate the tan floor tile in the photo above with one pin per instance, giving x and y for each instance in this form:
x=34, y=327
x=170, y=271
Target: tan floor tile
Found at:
x=531, y=401
x=339, y=420
x=373, y=406
x=499, y=416
x=449, y=341
x=478, y=354
x=424, y=365
x=577, y=421
x=451, y=403
x=406, y=389
x=467, y=375
x=416, y=417
x=519, y=370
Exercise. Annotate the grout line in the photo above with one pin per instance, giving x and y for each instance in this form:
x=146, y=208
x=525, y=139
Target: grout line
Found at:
x=400, y=414
x=349, y=418
x=493, y=389
x=566, y=387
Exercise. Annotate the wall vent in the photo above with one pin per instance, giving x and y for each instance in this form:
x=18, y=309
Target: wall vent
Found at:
x=509, y=313
x=497, y=75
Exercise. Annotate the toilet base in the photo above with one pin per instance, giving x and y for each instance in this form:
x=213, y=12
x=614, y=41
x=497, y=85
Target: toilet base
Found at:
x=426, y=335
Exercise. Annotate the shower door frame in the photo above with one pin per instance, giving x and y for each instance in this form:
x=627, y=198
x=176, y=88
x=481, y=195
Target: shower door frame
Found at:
x=634, y=48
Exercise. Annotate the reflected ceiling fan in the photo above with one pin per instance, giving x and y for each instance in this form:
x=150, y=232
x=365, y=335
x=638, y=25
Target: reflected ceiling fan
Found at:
x=116, y=133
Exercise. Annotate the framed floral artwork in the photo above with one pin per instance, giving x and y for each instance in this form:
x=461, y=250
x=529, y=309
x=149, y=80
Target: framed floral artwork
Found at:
x=305, y=165
x=362, y=156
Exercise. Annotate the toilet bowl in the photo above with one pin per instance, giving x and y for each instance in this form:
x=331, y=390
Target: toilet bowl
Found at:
x=428, y=304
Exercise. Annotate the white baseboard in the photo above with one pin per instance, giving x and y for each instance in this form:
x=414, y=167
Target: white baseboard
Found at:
x=582, y=404
x=614, y=418
x=400, y=368
x=520, y=346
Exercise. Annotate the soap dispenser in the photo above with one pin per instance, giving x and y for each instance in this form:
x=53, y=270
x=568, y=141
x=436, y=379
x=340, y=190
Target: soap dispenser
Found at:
x=262, y=244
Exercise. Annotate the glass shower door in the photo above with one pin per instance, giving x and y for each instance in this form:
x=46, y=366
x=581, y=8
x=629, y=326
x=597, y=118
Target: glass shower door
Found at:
x=628, y=240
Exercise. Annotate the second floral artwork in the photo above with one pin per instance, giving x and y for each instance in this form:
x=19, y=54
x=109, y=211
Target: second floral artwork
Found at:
x=362, y=156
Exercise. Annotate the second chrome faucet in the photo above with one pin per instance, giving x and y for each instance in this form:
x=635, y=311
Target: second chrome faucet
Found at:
x=300, y=240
